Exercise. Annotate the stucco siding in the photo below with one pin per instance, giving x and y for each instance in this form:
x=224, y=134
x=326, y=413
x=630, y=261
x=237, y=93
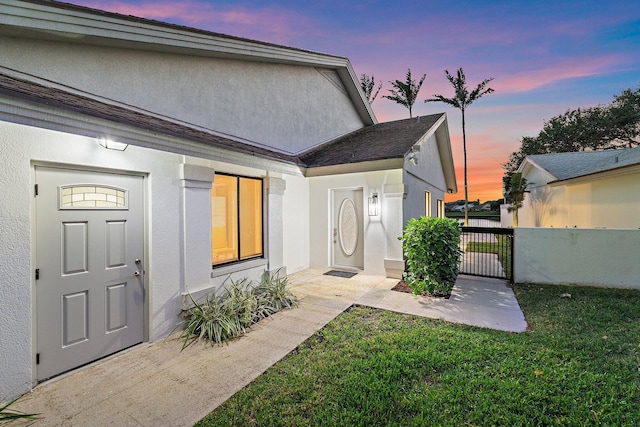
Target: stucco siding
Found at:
x=295, y=215
x=595, y=202
x=575, y=256
x=425, y=175
x=259, y=102
x=385, y=227
x=177, y=228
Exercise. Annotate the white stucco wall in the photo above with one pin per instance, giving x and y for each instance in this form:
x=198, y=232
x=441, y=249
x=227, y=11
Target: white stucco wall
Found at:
x=593, y=257
x=425, y=175
x=240, y=98
x=178, y=224
x=386, y=227
x=598, y=201
x=295, y=214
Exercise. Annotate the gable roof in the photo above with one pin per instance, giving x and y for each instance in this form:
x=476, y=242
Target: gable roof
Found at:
x=565, y=166
x=390, y=140
x=52, y=20
x=374, y=147
x=382, y=146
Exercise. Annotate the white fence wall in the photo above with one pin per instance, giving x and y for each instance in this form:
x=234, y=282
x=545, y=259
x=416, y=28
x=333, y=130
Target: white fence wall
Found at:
x=590, y=257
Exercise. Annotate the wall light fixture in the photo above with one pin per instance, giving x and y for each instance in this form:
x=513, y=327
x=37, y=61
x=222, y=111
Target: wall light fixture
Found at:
x=112, y=145
x=373, y=204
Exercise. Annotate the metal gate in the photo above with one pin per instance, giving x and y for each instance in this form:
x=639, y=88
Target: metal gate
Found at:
x=487, y=252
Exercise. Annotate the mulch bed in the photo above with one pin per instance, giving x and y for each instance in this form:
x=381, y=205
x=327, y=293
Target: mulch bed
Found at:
x=403, y=287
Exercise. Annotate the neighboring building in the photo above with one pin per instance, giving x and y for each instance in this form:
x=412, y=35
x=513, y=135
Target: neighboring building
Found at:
x=240, y=157
x=588, y=189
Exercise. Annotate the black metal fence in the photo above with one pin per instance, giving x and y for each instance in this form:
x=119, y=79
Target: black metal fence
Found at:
x=487, y=252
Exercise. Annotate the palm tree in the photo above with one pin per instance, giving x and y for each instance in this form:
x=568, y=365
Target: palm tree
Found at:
x=368, y=83
x=405, y=93
x=462, y=99
x=514, y=191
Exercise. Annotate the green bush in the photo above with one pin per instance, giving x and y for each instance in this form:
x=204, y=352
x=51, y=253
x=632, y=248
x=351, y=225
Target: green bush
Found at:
x=432, y=251
x=228, y=314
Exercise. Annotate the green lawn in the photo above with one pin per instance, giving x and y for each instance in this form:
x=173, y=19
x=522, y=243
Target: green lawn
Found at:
x=578, y=366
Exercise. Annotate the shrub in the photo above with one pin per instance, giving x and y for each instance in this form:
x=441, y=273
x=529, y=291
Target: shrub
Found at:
x=228, y=314
x=432, y=250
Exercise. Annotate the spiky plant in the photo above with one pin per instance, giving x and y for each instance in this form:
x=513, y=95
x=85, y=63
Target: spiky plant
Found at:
x=7, y=415
x=209, y=321
x=228, y=314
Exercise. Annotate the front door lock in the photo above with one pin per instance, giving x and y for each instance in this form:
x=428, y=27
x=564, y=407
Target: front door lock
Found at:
x=136, y=273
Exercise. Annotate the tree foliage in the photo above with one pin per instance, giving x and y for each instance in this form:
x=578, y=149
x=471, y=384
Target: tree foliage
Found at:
x=461, y=100
x=368, y=84
x=603, y=127
x=514, y=192
x=405, y=93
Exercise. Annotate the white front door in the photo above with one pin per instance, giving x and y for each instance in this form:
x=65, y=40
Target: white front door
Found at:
x=347, y=229
x=89, y=261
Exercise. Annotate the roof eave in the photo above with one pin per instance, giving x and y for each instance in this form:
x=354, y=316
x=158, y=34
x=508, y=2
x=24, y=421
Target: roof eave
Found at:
x=622, y=170
x=369, y=166
x=530, y=163
x=74, y=24
x=446, y=155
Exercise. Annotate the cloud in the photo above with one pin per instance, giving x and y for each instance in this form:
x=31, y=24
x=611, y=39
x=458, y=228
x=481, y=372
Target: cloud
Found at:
x=575, y=68
x=268, y=24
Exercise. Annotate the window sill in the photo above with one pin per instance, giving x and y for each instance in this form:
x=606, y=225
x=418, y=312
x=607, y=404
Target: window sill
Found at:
x=234, y=268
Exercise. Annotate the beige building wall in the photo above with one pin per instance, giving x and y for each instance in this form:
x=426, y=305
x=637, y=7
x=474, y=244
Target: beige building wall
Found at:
x=605, y=200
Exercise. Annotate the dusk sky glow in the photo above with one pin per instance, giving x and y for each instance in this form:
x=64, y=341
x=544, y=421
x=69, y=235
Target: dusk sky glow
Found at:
x=546, y=57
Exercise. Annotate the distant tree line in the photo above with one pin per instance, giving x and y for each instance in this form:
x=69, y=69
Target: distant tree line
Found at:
x=603, y=127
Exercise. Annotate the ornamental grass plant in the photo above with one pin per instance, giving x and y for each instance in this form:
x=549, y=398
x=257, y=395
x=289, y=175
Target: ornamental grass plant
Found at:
x=227, y=314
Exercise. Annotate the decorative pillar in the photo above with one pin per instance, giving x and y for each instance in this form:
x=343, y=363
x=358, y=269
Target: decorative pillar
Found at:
x=393, y=223
x=196, y=183
x=275, y=188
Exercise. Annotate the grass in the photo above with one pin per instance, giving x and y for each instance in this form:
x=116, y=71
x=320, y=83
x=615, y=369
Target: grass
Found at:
x=502, y=248
x=578, y=366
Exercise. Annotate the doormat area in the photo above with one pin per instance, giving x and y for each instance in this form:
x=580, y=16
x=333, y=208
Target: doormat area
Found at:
x=338, y=273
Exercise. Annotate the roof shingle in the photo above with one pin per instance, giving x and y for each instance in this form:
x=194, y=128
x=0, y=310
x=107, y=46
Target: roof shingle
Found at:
x=389, y=140
x=565, y=166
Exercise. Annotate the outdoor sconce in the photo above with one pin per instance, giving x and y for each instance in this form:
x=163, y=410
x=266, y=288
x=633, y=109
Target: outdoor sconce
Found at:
x=413, y=154
x=112, y=145
x=373, y=205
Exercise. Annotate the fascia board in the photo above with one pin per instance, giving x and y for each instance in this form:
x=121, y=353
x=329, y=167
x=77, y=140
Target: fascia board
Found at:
x=527, y=164
x=40, y=21
x=610, y=173
x=446, y=154
x=37, y=115
x=36, y=20
x=377, y=165
x=348, y=75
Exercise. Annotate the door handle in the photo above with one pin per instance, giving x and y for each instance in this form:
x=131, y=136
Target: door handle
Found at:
x=136, y=273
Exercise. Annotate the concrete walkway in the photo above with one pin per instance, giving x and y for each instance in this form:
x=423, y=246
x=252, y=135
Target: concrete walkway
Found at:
x=155, y=384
